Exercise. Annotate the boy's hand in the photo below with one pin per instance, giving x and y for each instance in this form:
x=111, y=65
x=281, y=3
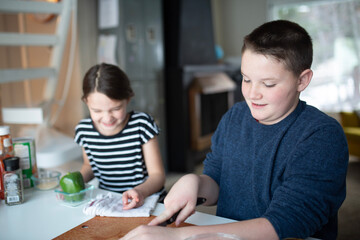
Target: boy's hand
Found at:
x=147, y=232
x=169, y=213
x=180, y=198
x=132, y=199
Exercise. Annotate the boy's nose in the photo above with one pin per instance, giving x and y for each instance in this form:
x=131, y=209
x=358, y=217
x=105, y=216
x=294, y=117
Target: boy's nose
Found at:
x=254, y=92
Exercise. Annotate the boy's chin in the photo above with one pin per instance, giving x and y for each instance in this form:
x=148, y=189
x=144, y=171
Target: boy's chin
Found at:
x=260, y=119
x=256, y=115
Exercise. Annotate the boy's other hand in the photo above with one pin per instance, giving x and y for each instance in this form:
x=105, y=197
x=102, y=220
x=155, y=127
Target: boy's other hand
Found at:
x=147, y=232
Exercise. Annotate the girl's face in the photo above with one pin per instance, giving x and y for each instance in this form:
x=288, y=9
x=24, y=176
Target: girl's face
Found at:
x=270, y=90
x=109, y=116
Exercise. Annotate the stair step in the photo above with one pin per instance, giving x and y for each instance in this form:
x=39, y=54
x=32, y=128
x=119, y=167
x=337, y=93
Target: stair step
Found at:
x=23, y=115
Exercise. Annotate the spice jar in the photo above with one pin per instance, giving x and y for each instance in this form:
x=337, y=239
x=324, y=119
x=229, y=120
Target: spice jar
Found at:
x=6, y=150
x=2, y=171
x=6, y=142
x=13, y=183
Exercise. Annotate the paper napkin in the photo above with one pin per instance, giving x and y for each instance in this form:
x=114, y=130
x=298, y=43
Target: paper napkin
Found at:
x=110, y=205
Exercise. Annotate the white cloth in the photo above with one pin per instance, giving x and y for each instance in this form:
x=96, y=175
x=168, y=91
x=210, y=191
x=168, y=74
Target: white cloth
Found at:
x=110, y=205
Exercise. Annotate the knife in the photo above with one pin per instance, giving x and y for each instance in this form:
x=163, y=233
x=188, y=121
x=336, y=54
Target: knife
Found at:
x=199, y=201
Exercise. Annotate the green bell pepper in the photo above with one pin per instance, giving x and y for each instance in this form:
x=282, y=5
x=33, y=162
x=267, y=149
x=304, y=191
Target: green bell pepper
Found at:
x=73, y=182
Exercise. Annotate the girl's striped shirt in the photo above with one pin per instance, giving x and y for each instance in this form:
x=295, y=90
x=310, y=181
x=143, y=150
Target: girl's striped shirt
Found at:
x=117, y=161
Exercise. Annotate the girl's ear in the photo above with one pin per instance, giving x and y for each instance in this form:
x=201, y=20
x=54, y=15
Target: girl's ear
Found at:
x=304, y=79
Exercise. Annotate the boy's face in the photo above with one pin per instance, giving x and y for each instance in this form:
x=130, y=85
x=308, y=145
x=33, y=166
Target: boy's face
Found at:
x=108, y=115
x=270, y=90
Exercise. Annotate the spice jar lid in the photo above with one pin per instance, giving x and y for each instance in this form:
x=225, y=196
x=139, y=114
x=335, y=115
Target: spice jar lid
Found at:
x=4, y=130
x=12, y=163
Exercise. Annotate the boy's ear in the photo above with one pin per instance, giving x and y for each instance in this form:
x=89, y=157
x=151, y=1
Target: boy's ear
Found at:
x=304, y=79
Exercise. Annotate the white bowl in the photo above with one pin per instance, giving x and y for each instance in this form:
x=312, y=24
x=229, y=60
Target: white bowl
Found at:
x=46, y=180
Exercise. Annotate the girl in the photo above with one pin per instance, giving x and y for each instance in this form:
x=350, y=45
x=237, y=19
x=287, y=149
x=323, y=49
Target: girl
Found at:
x=120, y=148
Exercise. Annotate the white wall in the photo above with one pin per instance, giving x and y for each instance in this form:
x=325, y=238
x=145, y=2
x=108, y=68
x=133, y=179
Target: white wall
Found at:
x=234, y=19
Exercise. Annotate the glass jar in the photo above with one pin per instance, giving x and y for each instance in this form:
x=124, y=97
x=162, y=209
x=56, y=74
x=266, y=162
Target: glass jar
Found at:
x=2, y=171
x=6, y=142
x=6, y=150
x=13, y=183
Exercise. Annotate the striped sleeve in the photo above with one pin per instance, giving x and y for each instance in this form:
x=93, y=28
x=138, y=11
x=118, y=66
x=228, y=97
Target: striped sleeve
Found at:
x=146, y=126
x=84, y=128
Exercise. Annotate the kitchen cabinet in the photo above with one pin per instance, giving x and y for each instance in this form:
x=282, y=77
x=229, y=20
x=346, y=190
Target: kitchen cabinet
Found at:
x=139, y=52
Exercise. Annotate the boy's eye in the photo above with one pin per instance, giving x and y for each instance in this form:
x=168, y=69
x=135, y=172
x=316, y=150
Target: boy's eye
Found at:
x=246, y=80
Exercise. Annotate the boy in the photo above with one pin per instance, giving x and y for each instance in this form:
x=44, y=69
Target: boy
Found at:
x=277, y=164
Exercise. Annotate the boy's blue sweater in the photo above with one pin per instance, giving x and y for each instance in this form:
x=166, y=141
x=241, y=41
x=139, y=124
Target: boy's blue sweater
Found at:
x=292, y=173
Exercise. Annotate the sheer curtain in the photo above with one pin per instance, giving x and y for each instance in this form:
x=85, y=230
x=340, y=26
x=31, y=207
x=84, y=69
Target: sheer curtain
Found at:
x=334, y=26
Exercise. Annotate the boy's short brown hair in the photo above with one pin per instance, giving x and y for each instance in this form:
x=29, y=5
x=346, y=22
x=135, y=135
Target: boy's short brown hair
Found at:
x=283, y=40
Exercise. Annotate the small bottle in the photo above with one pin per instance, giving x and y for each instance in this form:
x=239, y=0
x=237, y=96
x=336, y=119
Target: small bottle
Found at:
x=2, y=171
x=7, y=150
x=13, y=183
x=6, y=142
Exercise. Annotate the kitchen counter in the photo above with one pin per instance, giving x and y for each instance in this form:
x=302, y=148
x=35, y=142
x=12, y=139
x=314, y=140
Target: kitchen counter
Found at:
x=42, y=217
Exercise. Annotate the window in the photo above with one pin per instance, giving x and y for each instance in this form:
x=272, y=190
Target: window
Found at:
x=335, y=30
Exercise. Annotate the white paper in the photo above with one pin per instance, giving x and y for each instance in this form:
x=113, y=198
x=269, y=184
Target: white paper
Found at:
x=108, y=14
x=107, y=49
x=110, y=205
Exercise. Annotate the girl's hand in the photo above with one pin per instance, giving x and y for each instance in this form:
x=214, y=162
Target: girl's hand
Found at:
x=144, y=232
x=132, y=199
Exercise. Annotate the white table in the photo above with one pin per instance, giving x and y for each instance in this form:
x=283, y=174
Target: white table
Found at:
x=42, y=217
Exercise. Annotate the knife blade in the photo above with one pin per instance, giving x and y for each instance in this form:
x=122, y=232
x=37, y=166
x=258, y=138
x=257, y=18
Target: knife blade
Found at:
x=199, y=201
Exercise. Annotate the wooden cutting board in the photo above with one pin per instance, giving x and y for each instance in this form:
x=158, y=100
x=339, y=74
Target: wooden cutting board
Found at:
x=100, y=228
